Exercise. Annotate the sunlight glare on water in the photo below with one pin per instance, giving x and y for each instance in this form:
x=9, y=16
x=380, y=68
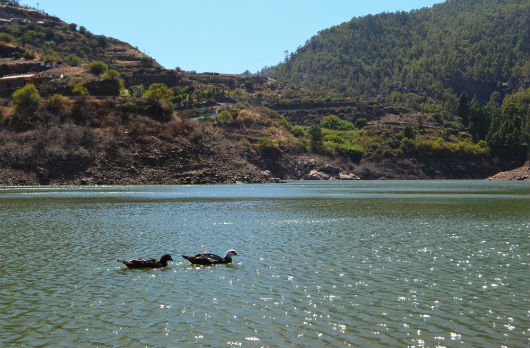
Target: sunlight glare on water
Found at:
x=322, y=263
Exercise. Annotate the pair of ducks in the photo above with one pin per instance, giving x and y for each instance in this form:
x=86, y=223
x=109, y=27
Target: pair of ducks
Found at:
x=199, y=259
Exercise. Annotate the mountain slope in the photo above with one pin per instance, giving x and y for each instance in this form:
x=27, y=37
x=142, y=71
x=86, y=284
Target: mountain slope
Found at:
x=85, y=125
x=41, y=35
x=425, y=56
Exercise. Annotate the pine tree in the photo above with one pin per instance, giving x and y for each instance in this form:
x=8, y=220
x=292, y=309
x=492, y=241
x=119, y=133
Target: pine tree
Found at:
x=463, y=108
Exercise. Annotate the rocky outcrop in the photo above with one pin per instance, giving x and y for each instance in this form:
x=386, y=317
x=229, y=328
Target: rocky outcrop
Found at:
x=521, y=173
x=318, y=175
x=330, y=172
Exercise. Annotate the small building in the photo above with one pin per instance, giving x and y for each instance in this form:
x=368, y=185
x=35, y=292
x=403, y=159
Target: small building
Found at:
x=11, y=83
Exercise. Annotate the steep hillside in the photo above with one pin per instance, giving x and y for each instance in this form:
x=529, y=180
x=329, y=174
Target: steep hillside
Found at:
x=423, y=59
x=43, y=37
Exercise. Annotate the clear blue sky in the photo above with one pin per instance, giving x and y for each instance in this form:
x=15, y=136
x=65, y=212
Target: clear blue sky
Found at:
x=227, y=36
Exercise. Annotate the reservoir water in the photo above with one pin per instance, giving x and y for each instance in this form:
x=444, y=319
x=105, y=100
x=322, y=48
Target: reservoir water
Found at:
x=364, y=263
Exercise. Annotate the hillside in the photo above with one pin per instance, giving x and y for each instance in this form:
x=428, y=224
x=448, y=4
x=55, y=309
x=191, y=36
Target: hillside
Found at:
x=32, y=35
x=423, y=59
x=106, y=114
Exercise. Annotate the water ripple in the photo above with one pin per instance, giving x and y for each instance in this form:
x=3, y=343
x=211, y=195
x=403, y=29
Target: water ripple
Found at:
x=331, y=264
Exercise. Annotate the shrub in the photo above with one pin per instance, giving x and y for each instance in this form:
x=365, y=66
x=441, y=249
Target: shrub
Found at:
x=407, y=145
x=80, y=90
x=240, y=106
x=315, y=138
x=159, y=91
x=265, y=144
x=408, y=132
x=114, y=75
x=285, y=124
x=56, y=102
x=26, y=96
x=51, y=56
x=224, y=116
x=7, y=38
x=73, y=60
x=29, y=54
x=238, y=93
x=334, y=137
x=361, y=122
x=298, y=131
x=98, y=67
x=336, y=123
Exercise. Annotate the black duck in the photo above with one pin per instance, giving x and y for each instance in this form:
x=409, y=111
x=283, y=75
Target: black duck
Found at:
x=144, y=262
x=211, y=259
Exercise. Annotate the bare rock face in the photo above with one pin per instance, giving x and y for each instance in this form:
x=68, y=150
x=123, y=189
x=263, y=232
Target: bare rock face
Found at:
x=321, y=175
x=521, y=173
x=317, y=175
x=348, y=176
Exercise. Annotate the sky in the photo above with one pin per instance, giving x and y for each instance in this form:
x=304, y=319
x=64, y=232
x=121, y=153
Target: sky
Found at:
x=228, y=36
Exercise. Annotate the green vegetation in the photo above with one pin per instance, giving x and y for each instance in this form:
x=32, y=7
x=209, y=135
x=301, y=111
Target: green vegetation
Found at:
x=422, y=59
x=315, y=138
x=98, y=67
x=51, y=56
x=80, y=90
x=360, y=122
x=159, y=92
x=7, y=38
x=63, y=38
x=509, y=134
x=114, y=75
x=408, y=132
x=439, y=148
x=335, y=123
x=298, y=131
x=447, y=61
x=265, y=144
x=224, y=116
x=56, y=102
x=285, y=124
x=28, y=54
x=73, y=60
x=26, y=97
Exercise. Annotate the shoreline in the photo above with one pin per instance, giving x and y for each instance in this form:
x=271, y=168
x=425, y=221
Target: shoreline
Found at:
x=518, y=174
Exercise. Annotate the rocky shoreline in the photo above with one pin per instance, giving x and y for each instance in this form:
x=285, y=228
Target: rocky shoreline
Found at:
x=521, y=173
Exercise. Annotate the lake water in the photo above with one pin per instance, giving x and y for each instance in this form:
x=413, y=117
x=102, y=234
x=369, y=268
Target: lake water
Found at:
x=364, y=263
